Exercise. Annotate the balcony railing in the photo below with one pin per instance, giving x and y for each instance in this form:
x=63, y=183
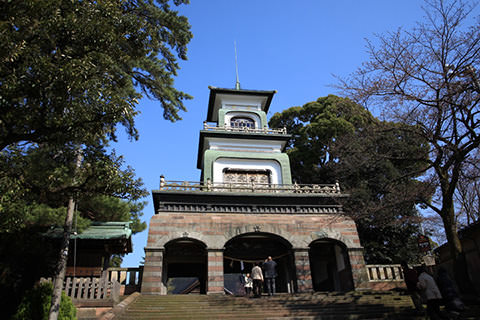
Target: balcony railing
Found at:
x=248, y=187
x=265, y=130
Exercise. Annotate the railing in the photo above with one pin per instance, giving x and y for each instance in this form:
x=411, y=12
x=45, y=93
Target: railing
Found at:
x=98, y=285
x=129, y=278
x=265, y=130
x=248, y=187
x=392, y=272
x=90, y=288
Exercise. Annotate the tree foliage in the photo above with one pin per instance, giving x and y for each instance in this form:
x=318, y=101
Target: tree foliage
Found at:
x=427, y=77
x=71, y=72
x=72, y=69
x=25, y=256
x=38, y=181
x=337, y=139
x=36, y=303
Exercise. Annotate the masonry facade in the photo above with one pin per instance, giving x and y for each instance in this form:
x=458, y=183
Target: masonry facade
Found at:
x=246, y=208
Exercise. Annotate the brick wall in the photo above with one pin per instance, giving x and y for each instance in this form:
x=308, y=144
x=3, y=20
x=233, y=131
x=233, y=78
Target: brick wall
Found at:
x=214, y=230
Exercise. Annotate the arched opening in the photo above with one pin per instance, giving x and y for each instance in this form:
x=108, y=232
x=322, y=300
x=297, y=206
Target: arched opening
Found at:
x=185, y=266
x=243, y=251
x=242, y=122
x=330, y=266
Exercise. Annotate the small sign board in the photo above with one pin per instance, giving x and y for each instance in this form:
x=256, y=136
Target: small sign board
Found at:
x=424, y=243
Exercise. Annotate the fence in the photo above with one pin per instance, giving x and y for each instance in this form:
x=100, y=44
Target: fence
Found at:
x=130, y=279
x=391, y=272
x=91, y=288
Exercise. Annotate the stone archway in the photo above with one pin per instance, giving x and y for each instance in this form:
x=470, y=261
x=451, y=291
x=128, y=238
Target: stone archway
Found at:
x=242, y=251
x=330, y=266
x=185, y=266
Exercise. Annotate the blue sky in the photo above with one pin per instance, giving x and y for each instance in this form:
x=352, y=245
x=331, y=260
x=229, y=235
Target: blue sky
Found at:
x=294, y=47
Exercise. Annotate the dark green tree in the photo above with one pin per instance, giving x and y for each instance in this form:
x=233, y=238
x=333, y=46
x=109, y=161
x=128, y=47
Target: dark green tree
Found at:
x=72, y=69
x=71, y=72
x=335, y=139
x=34, y=193
x=38, y=181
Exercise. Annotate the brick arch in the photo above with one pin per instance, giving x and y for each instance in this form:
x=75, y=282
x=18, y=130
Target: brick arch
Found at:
x=274, y=236
x=330, y=240
x=172, y=241
x=325, y=234
x=179, y=235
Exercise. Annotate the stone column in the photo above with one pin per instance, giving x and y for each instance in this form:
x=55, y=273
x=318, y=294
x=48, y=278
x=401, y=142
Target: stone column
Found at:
x=215, y=271
x=359, y=271
x=302, y=269
x=152, y=272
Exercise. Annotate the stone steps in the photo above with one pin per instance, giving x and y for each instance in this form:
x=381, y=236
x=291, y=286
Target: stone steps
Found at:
x=325, y=306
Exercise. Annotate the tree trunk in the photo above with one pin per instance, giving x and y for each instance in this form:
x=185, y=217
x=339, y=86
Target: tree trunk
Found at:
x=460, y=267
x=62, y=263
x=63, y=255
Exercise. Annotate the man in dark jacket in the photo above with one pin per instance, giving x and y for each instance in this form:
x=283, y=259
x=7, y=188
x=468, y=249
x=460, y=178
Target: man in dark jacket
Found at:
x=270, y=274
x=411, y=279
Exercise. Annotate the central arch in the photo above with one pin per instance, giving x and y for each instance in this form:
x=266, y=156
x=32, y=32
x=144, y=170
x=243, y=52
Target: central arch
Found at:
x=242, y=251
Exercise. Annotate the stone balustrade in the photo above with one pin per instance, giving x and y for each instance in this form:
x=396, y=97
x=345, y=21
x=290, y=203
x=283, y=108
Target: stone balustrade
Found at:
x=248, y=187
x=126, y=276
x=265, y=130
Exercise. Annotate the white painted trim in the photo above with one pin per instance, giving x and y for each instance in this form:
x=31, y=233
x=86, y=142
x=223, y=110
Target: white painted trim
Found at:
x=241, y=145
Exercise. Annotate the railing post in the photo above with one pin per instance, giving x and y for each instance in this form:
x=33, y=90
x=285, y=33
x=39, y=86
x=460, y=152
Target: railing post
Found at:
x=162, y=182
x=115, y=292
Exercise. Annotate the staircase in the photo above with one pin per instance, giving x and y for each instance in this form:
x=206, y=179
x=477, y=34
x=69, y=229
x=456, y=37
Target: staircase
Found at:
x=324, y=306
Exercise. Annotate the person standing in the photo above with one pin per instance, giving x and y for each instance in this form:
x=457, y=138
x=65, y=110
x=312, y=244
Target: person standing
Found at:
x=411, y=279
x=447, y=287
x=257, y=277
x=430, y=293
x=270, y=273
x=248, y=284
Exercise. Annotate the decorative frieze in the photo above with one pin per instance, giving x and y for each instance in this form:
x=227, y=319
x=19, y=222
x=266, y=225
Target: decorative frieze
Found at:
x=263, y=209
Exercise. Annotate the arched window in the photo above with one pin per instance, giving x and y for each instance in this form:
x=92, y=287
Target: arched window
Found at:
x=242, y=122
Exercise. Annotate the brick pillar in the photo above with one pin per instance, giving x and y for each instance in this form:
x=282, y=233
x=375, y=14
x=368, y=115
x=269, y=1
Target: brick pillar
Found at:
x=302, y=269
x=359, y=271
x=152, y=272
x=215, y=271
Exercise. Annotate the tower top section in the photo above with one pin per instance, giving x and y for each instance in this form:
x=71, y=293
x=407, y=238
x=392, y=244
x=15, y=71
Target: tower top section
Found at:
x=237, y=99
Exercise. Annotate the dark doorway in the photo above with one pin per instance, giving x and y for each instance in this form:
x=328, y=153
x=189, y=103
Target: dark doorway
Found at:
x=330, y=266
x=184, y=260
x=243, y=251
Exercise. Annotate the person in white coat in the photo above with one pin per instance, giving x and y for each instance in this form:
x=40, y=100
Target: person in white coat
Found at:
x=257, y=277
x=430, y=293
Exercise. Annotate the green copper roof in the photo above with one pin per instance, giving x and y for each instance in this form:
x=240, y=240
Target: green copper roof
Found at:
x=98, y=231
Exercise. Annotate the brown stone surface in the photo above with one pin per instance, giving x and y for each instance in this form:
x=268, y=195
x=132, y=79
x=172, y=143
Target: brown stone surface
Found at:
x=214, y=230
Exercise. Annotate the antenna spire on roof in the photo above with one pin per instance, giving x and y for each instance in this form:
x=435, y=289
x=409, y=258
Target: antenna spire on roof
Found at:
x=237, y=83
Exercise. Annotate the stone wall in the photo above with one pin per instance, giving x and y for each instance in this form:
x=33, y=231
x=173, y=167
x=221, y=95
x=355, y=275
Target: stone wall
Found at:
x=214, y=230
